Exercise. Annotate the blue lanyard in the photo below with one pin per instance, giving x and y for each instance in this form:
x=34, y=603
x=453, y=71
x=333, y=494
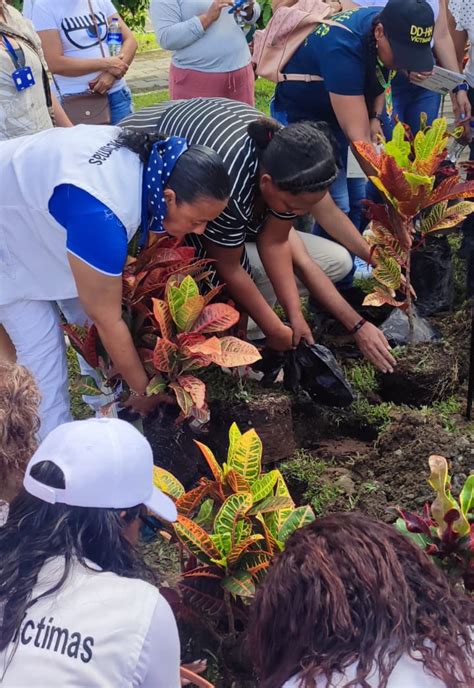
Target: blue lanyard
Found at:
x=11, y=50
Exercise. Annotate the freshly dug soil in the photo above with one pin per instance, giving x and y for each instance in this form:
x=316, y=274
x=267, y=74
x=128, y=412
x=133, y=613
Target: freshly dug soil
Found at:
x=270, y=414
x=393, y=471
x=424, y=373
x=173, y=446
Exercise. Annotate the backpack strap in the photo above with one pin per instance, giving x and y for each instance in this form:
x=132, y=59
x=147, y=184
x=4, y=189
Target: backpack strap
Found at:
x=311, y=77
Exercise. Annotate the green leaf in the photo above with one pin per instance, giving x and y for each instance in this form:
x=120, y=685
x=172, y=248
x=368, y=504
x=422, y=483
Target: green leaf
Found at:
x=262, y=487
x=466, y=498
x=234, y=438
x=223, y=542
x=87, y=385
x=188, y=288
x=418, y=538
x=416, y=180
x=435, y=215
x=399, y=148
x=234, y=506
x=271, y=504
x=175, y=301
x=297, y=519
x=242, y=530
x=156, y=386
x=275, y=519
x=246, y=456
x=167, y=483
x=388, y=273
x=204, y=515
x=239, y=584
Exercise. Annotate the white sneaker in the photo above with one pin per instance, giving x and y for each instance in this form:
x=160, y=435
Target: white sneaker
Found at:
x=362, y=269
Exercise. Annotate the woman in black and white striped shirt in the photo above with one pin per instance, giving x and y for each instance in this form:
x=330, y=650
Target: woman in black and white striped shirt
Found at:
x=276, y=174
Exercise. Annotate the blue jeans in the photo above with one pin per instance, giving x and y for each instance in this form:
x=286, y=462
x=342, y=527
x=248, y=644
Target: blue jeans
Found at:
x=409, y=101
x=120, y=104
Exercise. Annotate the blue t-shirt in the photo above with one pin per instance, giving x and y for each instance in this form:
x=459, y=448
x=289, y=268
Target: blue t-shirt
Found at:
x=341, y=57
x=93, y=232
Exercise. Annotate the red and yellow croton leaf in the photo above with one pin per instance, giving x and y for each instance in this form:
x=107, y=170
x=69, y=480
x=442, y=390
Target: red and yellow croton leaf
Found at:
x=163, y=318
x=380, y=297
x=164, y=355
x=195, y=539
x=195, y=388
x=388, y=273
x=191, y=500
x=211, y=461
x=185, y=401
x=368, y=153
x=448, y=190
x=216, y=317
x=234, y=352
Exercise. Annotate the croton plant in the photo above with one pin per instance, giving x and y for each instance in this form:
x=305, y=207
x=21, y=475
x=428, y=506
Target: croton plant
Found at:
x=422, y=195
x=231, y=525
x=174, y=327
x=446, y=527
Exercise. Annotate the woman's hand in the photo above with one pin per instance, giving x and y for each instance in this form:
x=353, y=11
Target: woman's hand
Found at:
x=116, y=66
x=103, y=83
x=375, y=347
x=376, y=131
x=281, y=339
x=214, y=12
x=417, y=78
x=462, y=112
x=301, y=330
x=144, y=405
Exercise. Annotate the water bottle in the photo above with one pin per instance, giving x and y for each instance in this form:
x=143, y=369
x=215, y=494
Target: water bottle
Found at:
x=114, y=37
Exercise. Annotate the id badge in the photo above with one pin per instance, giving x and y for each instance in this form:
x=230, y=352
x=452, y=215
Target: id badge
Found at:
x=23, y=78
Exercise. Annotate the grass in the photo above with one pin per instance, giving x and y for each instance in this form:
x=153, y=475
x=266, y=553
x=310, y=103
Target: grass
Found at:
x=146, y=42
x=263, y=93
x=307, y=472
x=362, y=376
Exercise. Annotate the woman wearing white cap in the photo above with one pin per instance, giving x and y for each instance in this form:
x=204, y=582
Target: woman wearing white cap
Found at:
x=75, y=608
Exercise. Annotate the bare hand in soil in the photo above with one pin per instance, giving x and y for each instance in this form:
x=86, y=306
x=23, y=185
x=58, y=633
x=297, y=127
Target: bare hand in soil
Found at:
x=143, y=405
x=375, y=347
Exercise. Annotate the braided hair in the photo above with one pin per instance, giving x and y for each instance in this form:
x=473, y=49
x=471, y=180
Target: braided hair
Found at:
x=300, y=158
x=371, y=42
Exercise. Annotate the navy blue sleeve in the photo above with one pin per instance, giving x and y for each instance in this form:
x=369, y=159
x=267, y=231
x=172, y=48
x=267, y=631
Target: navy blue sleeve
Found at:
x=342, y=63
x=93, y=233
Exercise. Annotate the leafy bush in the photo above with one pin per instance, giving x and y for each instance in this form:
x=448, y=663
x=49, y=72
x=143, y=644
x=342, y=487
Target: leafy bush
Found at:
x=173, y=327
x=231, y=526
x=445, y=530
x=133, y=12
x=417, y=187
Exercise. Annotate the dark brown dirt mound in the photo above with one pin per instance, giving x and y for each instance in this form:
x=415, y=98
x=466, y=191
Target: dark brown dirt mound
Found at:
x=424, y=373
x=394, y=471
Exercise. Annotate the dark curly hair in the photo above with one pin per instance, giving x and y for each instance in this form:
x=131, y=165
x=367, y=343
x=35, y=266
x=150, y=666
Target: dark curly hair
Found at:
x=300, y=158
x=349, y=589
x=36, y=531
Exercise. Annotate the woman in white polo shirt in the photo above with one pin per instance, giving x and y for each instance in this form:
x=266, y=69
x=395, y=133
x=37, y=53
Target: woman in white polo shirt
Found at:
x=70, y=201
x=76, y=608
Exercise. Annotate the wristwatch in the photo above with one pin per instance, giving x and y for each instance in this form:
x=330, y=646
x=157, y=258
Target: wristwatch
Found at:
x=461, y=87
x=376, y=115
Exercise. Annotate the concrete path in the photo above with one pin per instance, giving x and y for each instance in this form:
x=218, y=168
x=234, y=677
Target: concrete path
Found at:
x=149, y=71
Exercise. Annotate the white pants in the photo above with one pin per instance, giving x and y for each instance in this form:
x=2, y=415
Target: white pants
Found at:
x=35, y=330
x=332, y=258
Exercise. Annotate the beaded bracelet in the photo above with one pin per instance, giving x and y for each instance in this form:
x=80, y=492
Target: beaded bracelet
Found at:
x=358, y=326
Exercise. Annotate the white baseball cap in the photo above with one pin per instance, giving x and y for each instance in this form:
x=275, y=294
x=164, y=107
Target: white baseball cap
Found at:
x=107, y=464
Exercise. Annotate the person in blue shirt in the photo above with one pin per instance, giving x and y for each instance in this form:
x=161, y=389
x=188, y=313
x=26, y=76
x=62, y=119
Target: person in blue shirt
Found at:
x=356, y=60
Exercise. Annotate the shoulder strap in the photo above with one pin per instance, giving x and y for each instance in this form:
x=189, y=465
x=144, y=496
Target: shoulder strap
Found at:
x=94, y=19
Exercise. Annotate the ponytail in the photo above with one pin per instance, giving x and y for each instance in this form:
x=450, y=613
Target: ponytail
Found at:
x=300, y=158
